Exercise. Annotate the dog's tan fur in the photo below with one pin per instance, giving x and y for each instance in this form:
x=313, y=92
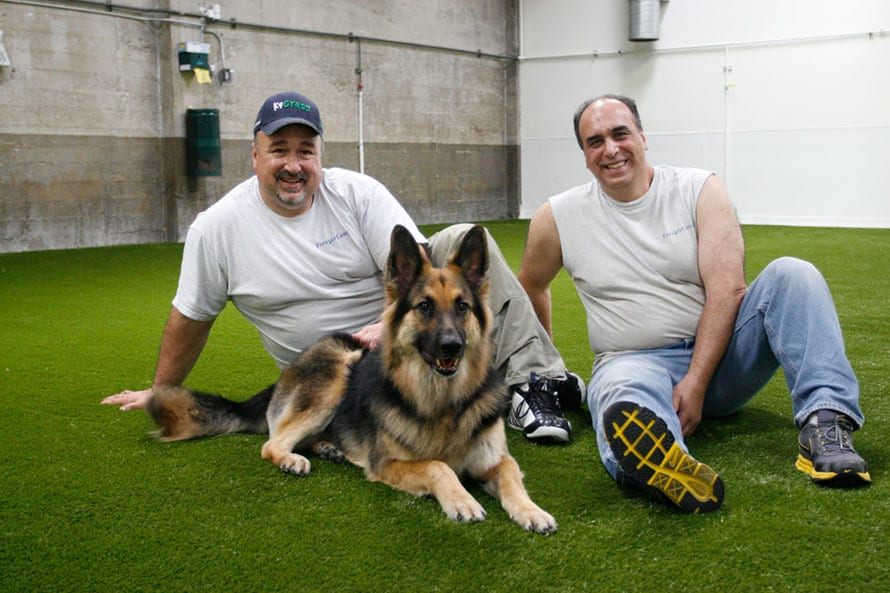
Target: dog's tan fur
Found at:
x=419, y=413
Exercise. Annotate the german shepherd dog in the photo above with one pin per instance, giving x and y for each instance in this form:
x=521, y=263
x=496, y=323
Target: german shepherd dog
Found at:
x=419, y=412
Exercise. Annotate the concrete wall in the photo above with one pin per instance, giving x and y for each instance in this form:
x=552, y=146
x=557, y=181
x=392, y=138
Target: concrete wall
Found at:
x=92, y=110
x=786, y=100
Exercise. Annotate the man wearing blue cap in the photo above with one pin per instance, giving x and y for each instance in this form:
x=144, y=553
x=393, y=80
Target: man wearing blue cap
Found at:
x=300, y=249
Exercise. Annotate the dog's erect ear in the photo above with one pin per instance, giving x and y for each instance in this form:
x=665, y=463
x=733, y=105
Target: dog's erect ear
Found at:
x=405, y=259
x=472, y=257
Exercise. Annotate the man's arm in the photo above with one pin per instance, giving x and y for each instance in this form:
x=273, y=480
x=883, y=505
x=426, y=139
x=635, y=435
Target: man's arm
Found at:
x=184, y=339
x=721, y=260
x=181, y=345
x=541, y=261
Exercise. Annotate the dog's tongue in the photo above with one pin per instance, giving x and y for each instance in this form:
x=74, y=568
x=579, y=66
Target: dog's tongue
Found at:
x=446, y=363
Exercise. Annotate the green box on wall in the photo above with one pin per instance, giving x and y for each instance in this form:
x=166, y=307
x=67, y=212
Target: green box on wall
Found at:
x=203, y=154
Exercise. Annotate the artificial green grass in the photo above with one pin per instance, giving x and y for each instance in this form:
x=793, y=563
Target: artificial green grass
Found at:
x=89, y=502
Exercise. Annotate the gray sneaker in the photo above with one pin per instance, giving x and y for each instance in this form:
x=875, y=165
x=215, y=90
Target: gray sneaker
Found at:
x=826, y=451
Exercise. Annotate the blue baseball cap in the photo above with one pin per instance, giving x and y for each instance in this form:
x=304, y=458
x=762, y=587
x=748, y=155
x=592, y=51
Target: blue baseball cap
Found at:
x=285, y=109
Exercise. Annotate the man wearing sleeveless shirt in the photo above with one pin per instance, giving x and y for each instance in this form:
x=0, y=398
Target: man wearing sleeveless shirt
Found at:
x=657, y=258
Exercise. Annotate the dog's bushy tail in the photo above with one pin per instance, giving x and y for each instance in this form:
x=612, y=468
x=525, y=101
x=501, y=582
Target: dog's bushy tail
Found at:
x=181, y=413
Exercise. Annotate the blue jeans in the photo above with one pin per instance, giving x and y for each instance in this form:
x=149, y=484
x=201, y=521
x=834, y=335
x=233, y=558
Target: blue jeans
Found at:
x=787, y=318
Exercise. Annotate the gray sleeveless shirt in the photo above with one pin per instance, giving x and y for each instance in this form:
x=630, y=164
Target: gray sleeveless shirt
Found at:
x=635, y=265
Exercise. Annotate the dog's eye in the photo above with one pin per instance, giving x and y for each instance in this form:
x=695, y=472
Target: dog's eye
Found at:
x=424, y=306
x=463, y=307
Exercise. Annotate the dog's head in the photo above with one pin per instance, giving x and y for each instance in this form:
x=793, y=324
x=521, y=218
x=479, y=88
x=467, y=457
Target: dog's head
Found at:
x=440, y=313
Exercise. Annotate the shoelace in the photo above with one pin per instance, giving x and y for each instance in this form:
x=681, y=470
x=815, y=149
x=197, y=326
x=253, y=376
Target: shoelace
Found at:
x=835, y=436
x=542, y=398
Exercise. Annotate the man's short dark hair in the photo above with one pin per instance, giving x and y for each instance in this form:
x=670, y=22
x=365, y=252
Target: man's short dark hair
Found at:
x=631, y=104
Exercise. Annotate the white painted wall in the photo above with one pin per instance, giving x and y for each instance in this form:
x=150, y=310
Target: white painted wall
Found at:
x=787, y=100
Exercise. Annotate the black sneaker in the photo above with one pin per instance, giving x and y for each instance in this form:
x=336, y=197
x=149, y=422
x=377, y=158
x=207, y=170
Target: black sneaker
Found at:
x=535, y=411
x=570, y=392
x=826, y=451
x=653, y=461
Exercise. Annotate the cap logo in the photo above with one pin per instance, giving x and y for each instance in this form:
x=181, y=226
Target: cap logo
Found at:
x=288, y=104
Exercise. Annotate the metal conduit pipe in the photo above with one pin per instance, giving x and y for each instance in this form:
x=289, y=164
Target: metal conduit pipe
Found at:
x=110, y=8
x=359, y=89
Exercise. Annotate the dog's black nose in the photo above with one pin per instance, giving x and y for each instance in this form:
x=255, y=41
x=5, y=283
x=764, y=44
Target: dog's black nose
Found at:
x=451, y=345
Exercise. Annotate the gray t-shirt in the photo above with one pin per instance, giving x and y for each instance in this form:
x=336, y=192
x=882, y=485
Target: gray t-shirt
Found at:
x=635, y=265
x=295, y=279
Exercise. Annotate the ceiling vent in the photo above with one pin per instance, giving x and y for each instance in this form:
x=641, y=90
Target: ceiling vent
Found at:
x=645, y=20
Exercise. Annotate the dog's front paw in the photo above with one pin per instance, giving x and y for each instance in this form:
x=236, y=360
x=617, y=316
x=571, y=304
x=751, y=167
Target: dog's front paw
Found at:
x=295, y=464
x=537, y=520
x=464, y=509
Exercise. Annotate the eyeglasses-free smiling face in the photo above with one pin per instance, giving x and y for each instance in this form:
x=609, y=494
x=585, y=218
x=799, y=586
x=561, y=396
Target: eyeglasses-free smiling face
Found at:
x=615, y=149
x=288, y=168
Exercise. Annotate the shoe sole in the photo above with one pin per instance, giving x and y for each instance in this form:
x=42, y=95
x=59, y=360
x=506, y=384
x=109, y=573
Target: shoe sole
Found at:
x=542, y=433
x=847, y=476
x=647, y=453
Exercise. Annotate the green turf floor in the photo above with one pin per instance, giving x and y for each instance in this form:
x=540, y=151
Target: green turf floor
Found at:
x=89, y=502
